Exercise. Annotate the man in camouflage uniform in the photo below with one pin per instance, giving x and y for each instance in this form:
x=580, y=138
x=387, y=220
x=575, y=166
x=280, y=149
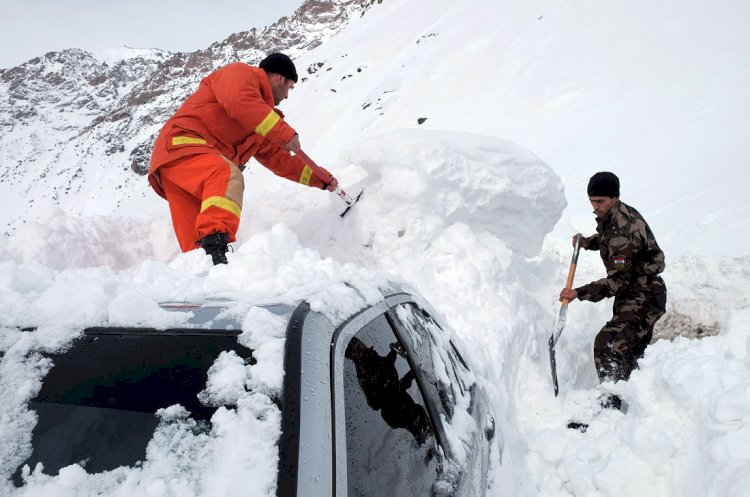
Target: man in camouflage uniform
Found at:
x=633, y=261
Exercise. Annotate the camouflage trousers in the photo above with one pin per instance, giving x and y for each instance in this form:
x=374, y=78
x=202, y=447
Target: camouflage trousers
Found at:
x=623, y=340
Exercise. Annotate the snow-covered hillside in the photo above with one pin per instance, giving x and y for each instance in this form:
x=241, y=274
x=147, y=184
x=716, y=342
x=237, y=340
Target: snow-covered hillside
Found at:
x=473, y=127
x=657, y=92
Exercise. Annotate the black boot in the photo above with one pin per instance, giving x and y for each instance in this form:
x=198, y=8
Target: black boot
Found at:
x=216, y=246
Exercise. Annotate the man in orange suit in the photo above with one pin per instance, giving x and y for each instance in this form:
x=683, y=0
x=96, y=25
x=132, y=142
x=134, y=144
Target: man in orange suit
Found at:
x=201, y=151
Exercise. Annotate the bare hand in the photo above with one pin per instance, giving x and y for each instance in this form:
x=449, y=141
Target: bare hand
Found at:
x=293, y=145
x=568, y=294
x=333, y=185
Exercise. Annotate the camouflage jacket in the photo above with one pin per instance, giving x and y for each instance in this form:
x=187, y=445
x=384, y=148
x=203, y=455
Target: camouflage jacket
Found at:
x=629, y=251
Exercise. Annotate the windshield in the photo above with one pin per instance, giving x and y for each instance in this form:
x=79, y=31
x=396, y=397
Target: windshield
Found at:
x=97, y=405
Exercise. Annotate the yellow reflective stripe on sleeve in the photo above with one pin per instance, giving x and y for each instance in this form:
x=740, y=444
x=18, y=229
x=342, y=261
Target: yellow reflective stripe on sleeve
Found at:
x=187, y=140
x=269, y=122
x=222, y=203
x=306, y=175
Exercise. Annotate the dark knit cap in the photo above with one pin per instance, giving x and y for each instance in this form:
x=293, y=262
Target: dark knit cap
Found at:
x=604, y=184
x=280, y=64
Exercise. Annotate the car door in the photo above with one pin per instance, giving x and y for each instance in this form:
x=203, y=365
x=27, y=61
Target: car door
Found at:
x=385, y=439
x=389, y=435
x=460, y=402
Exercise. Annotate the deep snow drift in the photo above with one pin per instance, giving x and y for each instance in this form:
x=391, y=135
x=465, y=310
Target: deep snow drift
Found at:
x=421, y=220
x=66, y=282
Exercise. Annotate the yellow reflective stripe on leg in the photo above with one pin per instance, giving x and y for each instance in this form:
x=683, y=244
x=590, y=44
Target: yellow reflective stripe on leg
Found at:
x=269, y=122
x=306, y=175
x=187, y=140
x=222, y=203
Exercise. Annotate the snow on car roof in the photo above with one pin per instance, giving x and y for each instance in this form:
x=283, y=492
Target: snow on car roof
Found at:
x=205, y=463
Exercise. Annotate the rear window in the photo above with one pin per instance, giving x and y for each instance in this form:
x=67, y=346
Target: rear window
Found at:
x=97, y=405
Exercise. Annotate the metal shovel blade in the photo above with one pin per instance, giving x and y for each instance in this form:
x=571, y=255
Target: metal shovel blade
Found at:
x=553, y=338
x=560, y=322
x=350, y=201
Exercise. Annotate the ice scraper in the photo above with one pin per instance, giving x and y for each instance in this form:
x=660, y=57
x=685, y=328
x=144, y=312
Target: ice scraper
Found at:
x=328, y=178
x=560, y=323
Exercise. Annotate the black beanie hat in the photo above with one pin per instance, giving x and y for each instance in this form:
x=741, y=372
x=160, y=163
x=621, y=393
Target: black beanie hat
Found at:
x=604, y=184
x=280, y=64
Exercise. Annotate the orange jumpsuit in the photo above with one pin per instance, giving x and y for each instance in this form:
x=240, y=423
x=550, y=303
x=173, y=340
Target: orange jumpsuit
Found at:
x=200, y=152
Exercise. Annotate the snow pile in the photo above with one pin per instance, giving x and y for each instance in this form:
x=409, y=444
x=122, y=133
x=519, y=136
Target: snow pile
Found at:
x=708, y=290
x=182, y=458
x=265, y=334
x=685, y=432
x=437, y=208
x=419, y=220
x=424, y=219
x=62, y=242
x=459, y=178
x=428, y=215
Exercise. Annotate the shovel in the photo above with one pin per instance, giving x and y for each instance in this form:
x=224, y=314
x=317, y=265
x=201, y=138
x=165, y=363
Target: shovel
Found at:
x=560, y=323
x=328, y=178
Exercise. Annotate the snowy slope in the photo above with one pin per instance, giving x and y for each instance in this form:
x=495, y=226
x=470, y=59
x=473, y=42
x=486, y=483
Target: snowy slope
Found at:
x=657, y=93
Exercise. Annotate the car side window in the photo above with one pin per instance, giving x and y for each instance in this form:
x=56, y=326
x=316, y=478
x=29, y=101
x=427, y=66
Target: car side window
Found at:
x=444, y=368
x=390, y=440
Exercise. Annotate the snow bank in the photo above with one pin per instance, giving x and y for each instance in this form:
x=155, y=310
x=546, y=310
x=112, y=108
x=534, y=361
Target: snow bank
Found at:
x=59, y=241
x=686, y=431
x=458, y=200
x=182, y=458
x=447, y=211
x=459, y=178
x=462, y=218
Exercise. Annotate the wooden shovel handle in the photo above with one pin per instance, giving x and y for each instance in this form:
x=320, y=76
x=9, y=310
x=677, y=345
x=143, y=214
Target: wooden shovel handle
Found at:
x=573, y=264
x=569, y=282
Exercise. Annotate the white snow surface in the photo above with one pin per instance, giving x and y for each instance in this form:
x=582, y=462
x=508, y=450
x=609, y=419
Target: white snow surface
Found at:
x=114, y=55
x=480, y=226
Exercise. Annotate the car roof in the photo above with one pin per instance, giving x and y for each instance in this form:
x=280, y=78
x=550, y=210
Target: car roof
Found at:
x=214, y=315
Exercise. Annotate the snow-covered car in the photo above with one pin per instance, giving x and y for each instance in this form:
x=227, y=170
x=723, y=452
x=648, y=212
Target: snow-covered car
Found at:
x=380, y=402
